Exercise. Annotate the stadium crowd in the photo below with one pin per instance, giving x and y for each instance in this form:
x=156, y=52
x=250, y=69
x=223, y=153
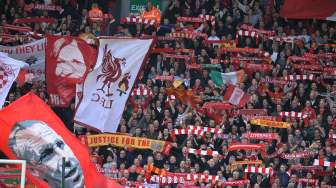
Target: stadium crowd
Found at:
x=156, y=114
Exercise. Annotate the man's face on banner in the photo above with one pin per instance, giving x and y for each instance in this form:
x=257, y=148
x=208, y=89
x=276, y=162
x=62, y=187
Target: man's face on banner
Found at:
x=44, y=149
x=70, y=61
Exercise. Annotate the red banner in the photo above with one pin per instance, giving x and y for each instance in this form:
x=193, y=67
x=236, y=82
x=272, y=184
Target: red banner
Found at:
x=309, y=9
x=68, y=60
x=31, y=131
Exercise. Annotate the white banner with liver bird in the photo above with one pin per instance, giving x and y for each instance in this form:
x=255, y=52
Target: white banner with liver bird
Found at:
x=107, y=87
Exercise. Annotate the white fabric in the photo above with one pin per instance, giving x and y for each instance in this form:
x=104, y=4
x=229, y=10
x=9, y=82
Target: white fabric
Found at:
x=236, y=96
x=230, y=77
x=33, y=52
x=96, y=108
x=9, y=70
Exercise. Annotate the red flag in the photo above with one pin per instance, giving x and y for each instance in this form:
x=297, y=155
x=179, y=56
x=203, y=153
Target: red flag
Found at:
x=68, y=60
x=309, y=9
x=185, y=96
x=31, y=131
x=236, y=96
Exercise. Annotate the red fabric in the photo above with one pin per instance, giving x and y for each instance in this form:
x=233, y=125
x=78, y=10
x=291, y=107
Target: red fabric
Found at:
x=65, y=86
x=16, y=28
x=30, y=107
x=21, y=77
x=212, y=115
x=310, y=112
x=34, y=20
x=230, y=91
x=218, y=106
x=243, y=146
x=308, y=9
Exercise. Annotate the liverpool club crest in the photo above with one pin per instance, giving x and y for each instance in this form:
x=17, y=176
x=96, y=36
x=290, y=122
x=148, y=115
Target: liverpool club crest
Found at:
x=111, y=71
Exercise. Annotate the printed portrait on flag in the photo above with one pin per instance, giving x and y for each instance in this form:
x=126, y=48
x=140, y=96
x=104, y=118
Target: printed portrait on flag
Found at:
x=30, y=130
x=43, y=149
x=69, y=65
x=68, y=60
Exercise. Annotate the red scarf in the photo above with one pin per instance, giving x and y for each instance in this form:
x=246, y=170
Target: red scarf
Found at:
x=16, y=28
x=241, y=146
x=247, y=50
x=188, y=35
x=259, y=31
x=138, y=20
x=261, y=136
x=184, y=57
x=164, y=78
x=275, y=81
x=313, y=182
x=233, y=183
x=250, y=117
x=298, y=155
x=258, y=112
x=218, y=106
x=258, y=67
x=34, y=20
x=208, y=152
x=36, y=6
x=298, y=58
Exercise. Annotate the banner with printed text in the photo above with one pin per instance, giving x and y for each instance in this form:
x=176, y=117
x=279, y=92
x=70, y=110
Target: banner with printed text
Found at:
x=32, y=53
x=119, y=140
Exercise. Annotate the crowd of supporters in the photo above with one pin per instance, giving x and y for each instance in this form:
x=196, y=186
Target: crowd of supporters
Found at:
x=156, y=115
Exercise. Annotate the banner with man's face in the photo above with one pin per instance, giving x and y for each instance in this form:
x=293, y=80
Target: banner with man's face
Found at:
x=68, y=60
x=31, y=131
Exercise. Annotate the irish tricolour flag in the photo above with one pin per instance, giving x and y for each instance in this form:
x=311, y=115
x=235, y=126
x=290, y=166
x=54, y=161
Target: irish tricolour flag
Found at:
x=220, y=78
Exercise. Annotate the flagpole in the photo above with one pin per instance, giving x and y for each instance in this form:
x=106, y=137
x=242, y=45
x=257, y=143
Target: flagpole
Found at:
x=63, y=172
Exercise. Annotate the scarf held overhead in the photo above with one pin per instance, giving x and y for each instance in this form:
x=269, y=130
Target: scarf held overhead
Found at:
x=127, y=141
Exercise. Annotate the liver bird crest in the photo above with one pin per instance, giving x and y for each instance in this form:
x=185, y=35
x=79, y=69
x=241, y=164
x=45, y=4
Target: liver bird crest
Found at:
x=111, y=70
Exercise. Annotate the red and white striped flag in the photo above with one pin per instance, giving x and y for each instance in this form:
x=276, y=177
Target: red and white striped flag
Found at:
x=251, y=34
x=310, y=77
x=236, y=96
x=210, y=18
x=142, y=90
x=207, y=129
x=187, y=132
x=321, y=162
x=261, y=170
x=200, y=152
x=202, y=177
x=17, y=28
x=293, y=114
x=188, y=35
x=138, y=20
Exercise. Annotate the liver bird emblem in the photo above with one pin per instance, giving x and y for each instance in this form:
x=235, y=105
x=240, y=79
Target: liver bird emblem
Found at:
x=111, y=70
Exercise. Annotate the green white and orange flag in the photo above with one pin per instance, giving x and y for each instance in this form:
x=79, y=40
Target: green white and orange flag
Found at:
x=220, y=78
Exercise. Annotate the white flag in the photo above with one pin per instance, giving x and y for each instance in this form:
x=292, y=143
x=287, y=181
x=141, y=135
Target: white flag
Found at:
x=32, y=53
x=107, y=87
x=9, y=70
